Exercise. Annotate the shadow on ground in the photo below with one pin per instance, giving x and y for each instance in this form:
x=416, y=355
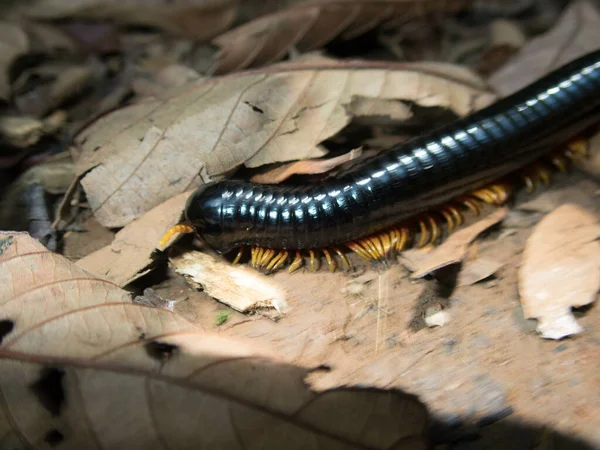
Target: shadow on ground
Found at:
x=502, y=435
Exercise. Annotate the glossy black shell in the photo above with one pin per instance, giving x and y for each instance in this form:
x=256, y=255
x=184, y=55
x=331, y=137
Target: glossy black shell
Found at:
x=408, y=178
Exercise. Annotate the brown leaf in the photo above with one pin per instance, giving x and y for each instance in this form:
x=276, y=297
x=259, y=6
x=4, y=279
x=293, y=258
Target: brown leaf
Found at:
x=129, y=256
x=20, y=131
x=592, y=164
x=13, y=43
x=53, y=85
x=476, y=270
x=454, y=249
x=199, y=19
x=311, y=25
x=576, y=33
x=281, y=173
x=576, y=192
x=142, y=155
x=560, y=270
x=83, y=365
x=55, y=175
x=242, y=288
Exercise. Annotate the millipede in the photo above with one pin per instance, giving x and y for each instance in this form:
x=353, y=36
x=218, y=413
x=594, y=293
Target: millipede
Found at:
x=413, y=194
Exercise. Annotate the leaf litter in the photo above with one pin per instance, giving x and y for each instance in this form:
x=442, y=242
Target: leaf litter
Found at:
x=142, y=155
x=311, y=25
x=160, y=371
x=357, y=324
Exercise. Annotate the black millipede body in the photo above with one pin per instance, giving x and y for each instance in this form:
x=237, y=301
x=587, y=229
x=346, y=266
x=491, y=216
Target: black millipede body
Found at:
x=407, y=179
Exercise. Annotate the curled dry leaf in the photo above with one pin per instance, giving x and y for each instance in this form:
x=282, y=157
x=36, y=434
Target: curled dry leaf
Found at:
x=77, y=356
x=576, y=33
x=199, y=19
x=454, y=249
x=310, y=25
x=142, y=155
x=13, y=43
x=560, y=270
x=240, y=287
x=281, y=173
x=129, y=256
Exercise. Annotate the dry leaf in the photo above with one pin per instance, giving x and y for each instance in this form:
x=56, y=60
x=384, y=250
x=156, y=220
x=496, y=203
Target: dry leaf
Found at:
x=55, y=84
x=242, y=288
x=592, y=164
x=281, y=173
x=575, y=192
x=473, y=271
x=311, y=25
x=54, y=175
x=20, y=131
x=129, y=256
x=454, y=249
x=142, y=155
x=84, y=366
x=199, y=19
x=560, y=270
x=576, y=33
x=13, y=43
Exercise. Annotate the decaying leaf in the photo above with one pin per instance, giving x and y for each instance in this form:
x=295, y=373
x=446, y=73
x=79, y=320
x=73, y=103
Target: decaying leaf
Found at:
x=129, y=256
x=142, y=155
x=575, y=34
x=560, y=270
x=199, y=19
x=281, y=173
x=83, y=365
x=454, y=249
x=13, y=43
x=242, y=288
x=310, y=25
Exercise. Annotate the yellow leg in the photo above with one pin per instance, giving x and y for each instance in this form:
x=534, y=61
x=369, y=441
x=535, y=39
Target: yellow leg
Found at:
x=282, y=260
x=297, y=262
x=239, y=256
x=343, y=258
x=330, y=261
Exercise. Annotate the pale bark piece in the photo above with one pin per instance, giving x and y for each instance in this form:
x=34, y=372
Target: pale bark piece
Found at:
x=80, y=362
x=130, y=255
x=576, y=33
x=141, y=155
x=199, y=19
x=14, y=42
x=242, y=288
x=560, y=270
x=282, y=173
x=310, y=25
x=454, y=249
